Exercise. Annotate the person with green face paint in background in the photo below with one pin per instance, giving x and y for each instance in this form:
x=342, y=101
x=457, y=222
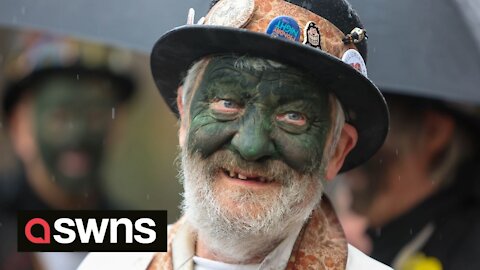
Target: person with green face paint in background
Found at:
x=71, y=119
x=59, y=106
x=267, y=117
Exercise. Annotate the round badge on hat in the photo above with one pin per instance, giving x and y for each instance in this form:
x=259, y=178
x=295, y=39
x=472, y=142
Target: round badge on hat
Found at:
x=284, y=27
x=233, y=13
x=354, y=59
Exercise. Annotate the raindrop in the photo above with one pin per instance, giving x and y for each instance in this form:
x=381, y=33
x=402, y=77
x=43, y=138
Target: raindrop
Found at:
x=148, y=197
x=86, y=195
x=78, y=77
x=1, y=224
x=53, y=178
x=396, y=152
x=399, y=178
x=113, y=112
x=411, y=231
x=14, y=19
x=23, y=10
x=378, y=231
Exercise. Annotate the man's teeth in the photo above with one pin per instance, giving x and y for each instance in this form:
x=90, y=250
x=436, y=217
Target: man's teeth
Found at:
x=233, y=174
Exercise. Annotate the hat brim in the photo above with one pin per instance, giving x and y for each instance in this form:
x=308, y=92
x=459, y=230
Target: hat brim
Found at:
x=14, y=90
x=176, y=51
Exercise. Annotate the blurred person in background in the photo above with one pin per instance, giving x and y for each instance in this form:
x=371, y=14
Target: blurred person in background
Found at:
x=59, y=106
x=420, y=194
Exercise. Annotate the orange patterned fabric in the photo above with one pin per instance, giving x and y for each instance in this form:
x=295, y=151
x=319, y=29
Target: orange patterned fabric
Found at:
x=266, y=10
x=321, y=244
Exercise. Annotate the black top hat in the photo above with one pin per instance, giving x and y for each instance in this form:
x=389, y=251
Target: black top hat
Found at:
x=271, y=29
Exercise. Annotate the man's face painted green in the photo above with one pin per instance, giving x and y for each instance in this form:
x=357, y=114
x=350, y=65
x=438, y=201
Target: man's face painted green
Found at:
x=252, y=160
x=277, y=113
x=71, y=120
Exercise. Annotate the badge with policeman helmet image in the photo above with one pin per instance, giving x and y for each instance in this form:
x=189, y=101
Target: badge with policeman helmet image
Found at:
x=311, y=35
x=355, y=60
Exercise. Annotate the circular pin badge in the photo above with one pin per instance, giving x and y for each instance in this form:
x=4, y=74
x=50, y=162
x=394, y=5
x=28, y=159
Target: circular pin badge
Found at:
x=284, y=27
x=355, y=59
x=233, y=13
x=311, y=35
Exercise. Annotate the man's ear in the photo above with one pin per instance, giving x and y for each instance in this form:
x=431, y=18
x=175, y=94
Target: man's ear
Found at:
x=180, y=101
x=438, y=130
x=181, y=113
x=21, y=130
x=348, y=140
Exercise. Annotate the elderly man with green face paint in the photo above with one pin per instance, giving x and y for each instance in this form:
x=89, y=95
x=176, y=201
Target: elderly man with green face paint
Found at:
x=59, y=108
x=267, y=115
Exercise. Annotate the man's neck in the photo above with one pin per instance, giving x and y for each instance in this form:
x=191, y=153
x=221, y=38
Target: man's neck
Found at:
x=251, y=250
x=400, y=197
x=202, y=250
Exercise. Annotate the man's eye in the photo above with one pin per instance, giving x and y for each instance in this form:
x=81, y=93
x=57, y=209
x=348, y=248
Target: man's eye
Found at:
x=225, y=106
x=293, y=118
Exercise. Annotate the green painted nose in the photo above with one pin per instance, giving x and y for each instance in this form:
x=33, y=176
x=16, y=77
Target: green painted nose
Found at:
x=252, y=141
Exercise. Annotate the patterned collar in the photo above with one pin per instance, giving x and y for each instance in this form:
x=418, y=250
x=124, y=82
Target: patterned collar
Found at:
x=319, y=244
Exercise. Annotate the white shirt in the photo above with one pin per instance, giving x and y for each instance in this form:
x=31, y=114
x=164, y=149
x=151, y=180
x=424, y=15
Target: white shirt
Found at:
x=184, y=243
x=139, y=261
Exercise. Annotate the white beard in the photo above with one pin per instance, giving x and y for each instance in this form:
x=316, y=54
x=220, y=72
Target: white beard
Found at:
x=241, y=234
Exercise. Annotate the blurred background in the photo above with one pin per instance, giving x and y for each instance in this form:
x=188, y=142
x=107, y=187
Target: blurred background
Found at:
x=139, y=169
x=60, y=62
x=422, y=50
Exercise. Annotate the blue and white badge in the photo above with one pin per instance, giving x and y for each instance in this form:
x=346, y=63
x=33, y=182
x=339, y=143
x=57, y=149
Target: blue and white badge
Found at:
x=284, y=27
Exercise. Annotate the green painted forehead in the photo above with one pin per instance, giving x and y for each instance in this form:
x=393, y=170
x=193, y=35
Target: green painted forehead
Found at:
x=255, y=66
x=219, y=66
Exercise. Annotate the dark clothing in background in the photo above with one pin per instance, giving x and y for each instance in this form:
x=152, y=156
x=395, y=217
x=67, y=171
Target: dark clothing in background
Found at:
x=454, y=213
x=16, y=194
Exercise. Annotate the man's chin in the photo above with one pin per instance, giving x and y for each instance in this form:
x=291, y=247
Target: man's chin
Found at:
x=245, y=196
x=74, y=185
x=74, y=164
x=226, y=196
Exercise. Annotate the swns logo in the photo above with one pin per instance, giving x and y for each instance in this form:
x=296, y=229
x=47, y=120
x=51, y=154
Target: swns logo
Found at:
x=92, y=231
